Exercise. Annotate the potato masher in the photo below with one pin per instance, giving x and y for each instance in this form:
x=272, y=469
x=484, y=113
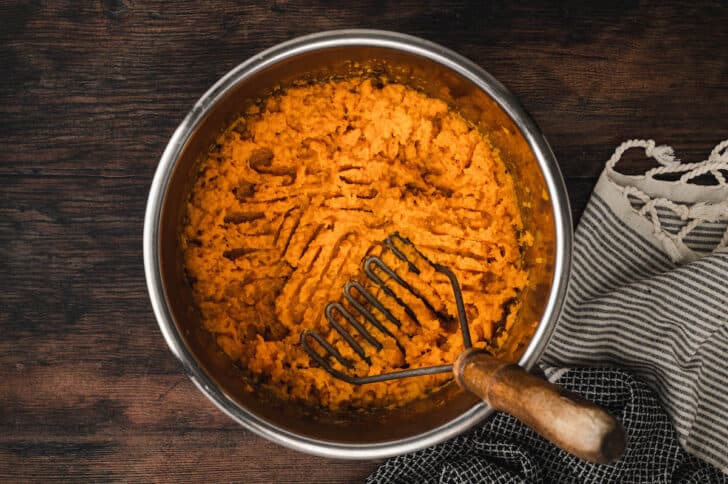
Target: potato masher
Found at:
x=575, y=425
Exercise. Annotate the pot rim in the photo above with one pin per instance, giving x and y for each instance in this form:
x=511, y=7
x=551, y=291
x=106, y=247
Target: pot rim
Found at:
x=292, y=48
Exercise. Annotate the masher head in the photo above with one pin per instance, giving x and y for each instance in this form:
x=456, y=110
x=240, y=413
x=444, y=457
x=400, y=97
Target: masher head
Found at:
x=362, y=317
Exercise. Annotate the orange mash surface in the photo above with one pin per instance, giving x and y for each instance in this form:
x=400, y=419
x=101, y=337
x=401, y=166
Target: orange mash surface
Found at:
x=302, y=187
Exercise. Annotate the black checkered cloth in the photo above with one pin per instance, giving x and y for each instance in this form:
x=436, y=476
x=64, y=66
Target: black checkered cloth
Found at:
x=506, y=451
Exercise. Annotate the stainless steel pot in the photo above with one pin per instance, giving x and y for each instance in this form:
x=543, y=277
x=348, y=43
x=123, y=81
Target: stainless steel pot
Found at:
x=438, y=72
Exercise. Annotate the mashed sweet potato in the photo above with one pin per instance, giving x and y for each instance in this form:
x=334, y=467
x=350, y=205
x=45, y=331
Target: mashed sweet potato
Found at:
x=304, y=185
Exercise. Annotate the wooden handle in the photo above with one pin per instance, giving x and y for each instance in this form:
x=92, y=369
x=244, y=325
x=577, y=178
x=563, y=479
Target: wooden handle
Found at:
x=573, y=424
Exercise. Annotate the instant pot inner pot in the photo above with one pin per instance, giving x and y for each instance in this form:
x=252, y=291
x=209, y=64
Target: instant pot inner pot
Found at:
x=437, y=81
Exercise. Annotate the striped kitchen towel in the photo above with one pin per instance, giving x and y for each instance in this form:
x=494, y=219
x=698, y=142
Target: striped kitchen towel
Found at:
x=643, y=333
x=649, y=289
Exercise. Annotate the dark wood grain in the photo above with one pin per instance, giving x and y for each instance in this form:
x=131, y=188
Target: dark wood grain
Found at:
x=90, y=93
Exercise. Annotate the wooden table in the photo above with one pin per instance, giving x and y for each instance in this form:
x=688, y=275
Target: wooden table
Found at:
x=90, y=93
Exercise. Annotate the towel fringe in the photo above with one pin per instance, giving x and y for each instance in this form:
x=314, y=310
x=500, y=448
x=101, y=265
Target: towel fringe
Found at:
x=694, y=215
